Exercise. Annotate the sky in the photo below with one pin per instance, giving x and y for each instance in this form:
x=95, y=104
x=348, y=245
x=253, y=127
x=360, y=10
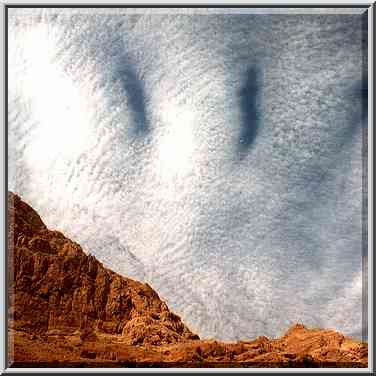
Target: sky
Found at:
x=217, y=155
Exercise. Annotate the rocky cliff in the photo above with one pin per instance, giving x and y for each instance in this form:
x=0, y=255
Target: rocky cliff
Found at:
x=66, y=309
x=55, y=286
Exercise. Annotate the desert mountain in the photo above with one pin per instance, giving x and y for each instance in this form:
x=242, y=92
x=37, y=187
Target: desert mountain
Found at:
x=66, y=309
x=54, y=286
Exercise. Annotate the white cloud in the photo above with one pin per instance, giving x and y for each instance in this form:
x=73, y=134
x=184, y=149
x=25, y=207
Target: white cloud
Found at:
x=238, y=247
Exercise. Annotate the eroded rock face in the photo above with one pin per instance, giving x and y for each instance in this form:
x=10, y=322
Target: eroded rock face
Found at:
x=65, y=307
x=299, y=347
x=55, y=286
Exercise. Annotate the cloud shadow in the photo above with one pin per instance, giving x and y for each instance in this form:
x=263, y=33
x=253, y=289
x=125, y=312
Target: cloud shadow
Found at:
x=249, y=96
x=134, y=91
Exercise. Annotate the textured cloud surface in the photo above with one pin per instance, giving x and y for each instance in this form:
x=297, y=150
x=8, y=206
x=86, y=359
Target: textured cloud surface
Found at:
x=216, y=156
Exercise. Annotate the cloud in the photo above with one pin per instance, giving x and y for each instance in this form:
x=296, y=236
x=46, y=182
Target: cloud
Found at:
x=239, y=248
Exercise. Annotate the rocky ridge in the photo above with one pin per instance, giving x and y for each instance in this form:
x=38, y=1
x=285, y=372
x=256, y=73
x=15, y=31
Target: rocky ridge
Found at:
x=55, y=287
x=65, y=309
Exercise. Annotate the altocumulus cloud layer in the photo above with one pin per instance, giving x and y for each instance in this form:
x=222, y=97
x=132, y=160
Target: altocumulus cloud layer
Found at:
x=216, y=156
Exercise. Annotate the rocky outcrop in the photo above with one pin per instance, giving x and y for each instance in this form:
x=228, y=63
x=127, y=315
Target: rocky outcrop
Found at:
x=67, y=309
x=54, y=286
x=299, y=347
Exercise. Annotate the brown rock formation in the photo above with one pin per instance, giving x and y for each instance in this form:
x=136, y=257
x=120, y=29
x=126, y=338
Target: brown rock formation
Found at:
x=54, y=286
x=67, y=309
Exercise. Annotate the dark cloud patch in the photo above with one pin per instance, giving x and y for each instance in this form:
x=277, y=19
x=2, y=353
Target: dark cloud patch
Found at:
x=134, y=91
x=363, y=93
x=249, y=97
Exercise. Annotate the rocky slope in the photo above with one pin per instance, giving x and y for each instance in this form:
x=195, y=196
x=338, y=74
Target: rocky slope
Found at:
x=54, y=286
x=66, y=309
